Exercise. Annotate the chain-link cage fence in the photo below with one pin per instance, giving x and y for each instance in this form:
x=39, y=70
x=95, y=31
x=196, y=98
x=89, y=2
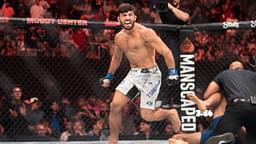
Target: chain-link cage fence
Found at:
x=50, y=84
x=215, y=50
x=49, y=78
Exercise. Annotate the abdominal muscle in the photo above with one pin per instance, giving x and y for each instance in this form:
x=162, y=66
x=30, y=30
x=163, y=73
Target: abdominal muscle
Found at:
x=141, y=59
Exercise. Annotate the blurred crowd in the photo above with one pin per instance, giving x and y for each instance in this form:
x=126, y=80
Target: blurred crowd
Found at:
x=31, y=118
x=38, y=41
x=67, y=119
x=216, y=45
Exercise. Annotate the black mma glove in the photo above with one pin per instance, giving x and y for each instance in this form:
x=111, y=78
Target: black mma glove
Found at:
x=106, y=81
x=173, y=77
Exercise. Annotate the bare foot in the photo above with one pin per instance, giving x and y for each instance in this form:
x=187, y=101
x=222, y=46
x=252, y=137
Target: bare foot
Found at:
x=112, y=141
x=175, y=120
x=176, y=141
x=200, y=103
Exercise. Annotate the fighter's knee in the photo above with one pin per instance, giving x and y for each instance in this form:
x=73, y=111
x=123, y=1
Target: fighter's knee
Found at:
x=173, y=112
x=147, y=114
x=115, y=107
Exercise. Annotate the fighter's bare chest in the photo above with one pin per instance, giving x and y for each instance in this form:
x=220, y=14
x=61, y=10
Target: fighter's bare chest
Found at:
x=132, y=42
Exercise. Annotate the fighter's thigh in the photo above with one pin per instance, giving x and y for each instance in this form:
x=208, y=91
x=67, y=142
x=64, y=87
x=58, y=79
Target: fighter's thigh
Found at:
x=126, y=87
x=150, y=92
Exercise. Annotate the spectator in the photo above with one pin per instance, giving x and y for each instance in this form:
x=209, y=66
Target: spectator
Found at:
x=81, y=40
x=67, y=130
x=146, y=130
x=67, y=44
x=168, y=131
x=78, y=128
x=96, y=129
x=83, y=112
x=36, y=10
x=55, y=117
x=45, y=5
x=68, y=108
x=14, y=123
x=155, y=17
x=32, y=113
x=7, y=9
x=42, y=133
x=145, y=13
x=22, y=9
x=200, y=13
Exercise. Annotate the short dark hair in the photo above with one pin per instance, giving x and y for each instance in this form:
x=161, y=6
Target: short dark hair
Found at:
x=125, y=7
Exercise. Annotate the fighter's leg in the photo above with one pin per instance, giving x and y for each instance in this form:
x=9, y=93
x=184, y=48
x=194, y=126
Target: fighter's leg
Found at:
x=162, y=114
x=190, y=138
x=119, y=100
x=202, y=105
x=149, y=93
x=177, y=141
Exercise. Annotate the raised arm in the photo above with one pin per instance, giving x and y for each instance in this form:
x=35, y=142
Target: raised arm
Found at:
x=184, y=16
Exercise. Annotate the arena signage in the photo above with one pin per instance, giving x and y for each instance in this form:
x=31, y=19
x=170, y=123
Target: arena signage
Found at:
x=253, y=24
x=4, y=19
x=187, y=86
x=227, y=25
x=58, y=21
x=39, y=21
x=111, y=23
x=72, y=22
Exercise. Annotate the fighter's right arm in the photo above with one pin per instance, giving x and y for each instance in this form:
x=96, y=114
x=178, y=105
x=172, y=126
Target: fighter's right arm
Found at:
x=117, y=56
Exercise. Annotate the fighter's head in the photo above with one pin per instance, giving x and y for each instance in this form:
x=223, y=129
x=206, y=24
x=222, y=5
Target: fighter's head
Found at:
x=126, y=16
x=236, y=65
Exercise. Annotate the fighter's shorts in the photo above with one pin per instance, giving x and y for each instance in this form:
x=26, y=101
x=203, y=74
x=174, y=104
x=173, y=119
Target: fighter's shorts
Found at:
x=206, y=133
x=145, y=82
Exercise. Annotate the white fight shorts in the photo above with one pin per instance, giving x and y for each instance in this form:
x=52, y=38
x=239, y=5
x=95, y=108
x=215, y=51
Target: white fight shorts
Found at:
x=145, y=82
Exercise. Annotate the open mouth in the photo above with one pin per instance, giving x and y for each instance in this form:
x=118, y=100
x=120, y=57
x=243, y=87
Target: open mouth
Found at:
x=127, y=23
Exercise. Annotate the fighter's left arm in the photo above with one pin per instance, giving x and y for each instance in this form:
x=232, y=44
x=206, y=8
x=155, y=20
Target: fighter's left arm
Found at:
x=155, y=41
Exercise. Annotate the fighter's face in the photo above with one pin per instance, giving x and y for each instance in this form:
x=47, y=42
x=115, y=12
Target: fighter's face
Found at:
x=127, y=19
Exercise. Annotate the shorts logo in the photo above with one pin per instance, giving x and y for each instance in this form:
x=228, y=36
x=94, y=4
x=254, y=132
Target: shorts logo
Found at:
x=154, y=89
x=122, y=82
x=150, y=103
